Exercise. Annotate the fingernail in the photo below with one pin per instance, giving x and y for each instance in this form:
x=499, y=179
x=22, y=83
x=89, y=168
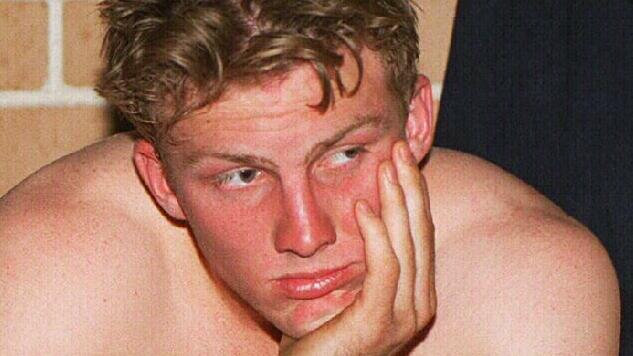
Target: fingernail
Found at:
x=405, y=155
x=389, y=173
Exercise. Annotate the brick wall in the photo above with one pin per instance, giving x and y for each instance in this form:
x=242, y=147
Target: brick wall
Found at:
x=49, y=61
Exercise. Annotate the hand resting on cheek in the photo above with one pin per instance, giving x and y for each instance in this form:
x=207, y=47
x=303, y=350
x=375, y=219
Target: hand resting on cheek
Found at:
x=398, y=298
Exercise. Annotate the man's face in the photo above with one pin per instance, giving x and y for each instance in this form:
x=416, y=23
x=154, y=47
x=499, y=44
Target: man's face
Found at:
x=268, y=186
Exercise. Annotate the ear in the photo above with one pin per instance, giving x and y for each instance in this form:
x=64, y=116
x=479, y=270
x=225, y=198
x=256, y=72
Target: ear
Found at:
x=150, y=169
x=420, y=126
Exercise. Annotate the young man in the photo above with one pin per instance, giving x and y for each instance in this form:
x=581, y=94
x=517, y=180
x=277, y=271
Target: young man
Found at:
x=274, y=202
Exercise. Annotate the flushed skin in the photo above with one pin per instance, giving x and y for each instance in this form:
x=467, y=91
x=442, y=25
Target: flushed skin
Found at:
x=91, y=265
x=296, y=216
x=114, y=276
x=251, y=225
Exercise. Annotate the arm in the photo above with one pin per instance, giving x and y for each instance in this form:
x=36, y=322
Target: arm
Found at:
x=551, y=290
x=62, y=283
x=40, y=311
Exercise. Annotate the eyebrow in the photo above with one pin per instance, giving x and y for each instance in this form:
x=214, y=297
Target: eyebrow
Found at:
x=360, y=122
x=315, y=151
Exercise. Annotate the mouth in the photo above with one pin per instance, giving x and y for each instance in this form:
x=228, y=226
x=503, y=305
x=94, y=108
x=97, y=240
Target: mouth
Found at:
x=312, y=285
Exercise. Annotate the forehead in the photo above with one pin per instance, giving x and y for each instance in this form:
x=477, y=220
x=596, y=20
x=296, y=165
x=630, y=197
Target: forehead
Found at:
x=301, y=82
x=278, y=102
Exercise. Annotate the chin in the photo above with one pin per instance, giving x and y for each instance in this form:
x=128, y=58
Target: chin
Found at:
x=310, y=315
x=321, y=321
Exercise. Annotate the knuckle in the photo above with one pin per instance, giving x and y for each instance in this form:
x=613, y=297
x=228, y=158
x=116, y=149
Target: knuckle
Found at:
x=407, y=327
x=381, y=228
x=425, y=316
x=412, y=179
x=433, y=305
x=383, y=326
x=392, y=267
x=428, y=228
x=399, y=194
x=408, y=331
x=375, y=226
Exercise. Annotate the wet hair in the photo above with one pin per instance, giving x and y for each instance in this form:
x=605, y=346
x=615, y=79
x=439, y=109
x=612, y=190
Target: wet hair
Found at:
x=167, y=58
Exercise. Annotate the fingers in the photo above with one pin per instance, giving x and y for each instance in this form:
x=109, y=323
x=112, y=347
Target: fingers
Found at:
x=365, y=326
x=382, y=269
x=398, y=294
x=421, y=230
x=404, y=231
x=396, y=220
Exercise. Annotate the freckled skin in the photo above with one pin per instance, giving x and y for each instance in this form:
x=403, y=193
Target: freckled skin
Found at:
x=299, y=215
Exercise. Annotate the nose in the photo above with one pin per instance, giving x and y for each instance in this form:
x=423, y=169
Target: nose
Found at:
x=304, y=227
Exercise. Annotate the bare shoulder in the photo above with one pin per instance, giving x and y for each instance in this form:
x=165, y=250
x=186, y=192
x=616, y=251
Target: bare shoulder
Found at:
x=520, y=275
x=68, y=242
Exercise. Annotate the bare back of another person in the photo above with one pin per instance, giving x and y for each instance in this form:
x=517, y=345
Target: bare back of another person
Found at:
x=287, y=212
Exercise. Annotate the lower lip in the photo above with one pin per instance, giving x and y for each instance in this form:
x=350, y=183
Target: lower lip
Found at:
x=312, y=288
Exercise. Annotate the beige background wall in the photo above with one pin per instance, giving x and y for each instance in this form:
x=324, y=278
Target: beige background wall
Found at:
x=49, y=59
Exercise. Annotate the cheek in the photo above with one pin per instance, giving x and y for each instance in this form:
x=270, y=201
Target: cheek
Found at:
x=343, y=197
x=232, y=232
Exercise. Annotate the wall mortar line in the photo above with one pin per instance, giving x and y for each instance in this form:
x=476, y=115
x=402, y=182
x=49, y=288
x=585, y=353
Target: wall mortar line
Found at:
x=79, y=96
x=66, y=96
x=55, y=79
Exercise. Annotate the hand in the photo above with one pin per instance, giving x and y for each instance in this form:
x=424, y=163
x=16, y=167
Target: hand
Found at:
x=398, y=298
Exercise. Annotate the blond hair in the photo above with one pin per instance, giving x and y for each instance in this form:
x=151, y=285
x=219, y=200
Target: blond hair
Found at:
x=166, y=58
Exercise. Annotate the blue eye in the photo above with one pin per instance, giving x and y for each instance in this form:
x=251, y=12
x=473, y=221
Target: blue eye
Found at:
x=239, y=177
x=343, y=157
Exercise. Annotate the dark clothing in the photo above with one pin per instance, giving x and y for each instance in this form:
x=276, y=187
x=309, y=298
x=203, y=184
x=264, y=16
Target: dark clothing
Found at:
x=545, y=90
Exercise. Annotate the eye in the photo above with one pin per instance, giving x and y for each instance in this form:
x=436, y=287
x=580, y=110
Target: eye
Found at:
x=344, y=157
x=238, y=178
